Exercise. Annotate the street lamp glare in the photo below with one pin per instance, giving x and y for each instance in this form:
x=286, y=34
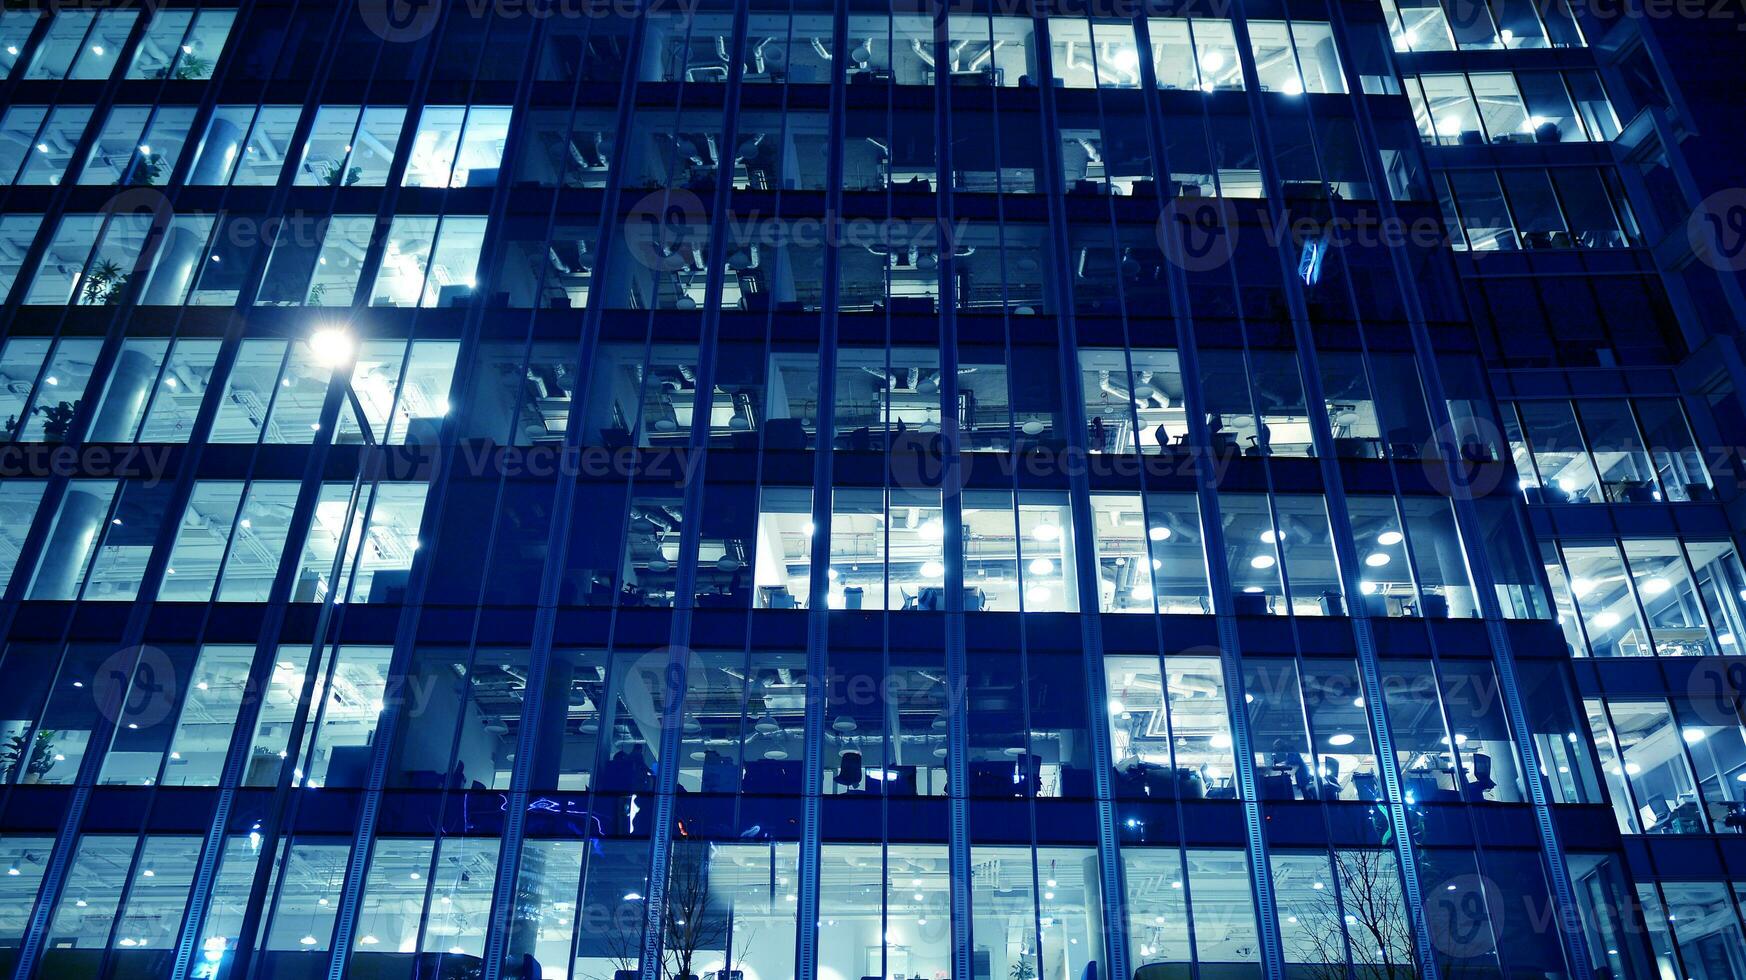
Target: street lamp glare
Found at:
x=332, y=346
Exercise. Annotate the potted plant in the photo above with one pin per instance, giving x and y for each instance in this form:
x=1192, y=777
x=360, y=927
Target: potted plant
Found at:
x=1022, y=969
x=149, y=170
x=57, y=420
x=35, y=757
x=104, y=283
x=332, y=173
x=192, y=68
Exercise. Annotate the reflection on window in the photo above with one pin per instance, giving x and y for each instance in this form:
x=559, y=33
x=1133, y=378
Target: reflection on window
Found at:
x=429, y=261
x=1007, y=910
x=783, y=552
x=81, y=44
x=350, y=146
x=316, y=261
x=15, y=30
x=181, y=44
x=90, y=261
x=36, y=143
x=16, y=233
x=380, y=545
x=457, y=146
x=245, y=145
x=41, y=393
x=564, y=150
x=138, y=145
x=1354, y=903
x=18, y=505
x=1170, y=728
x=72, y=542
x=1687, y=593
x=1167, y=889
x=891, y=910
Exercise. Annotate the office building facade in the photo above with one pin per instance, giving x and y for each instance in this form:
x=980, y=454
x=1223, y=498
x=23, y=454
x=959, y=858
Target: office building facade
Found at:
x=680, y=490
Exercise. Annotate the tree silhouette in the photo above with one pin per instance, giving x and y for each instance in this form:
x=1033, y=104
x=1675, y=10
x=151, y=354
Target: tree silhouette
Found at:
x=1369, y=902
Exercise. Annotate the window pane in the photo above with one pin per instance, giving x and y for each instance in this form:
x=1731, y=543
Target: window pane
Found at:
x=1483, y=213
x=1318, y=58
x=18, y=505
x=249, y=391
x=783, y=553
x=373, y=151
x=263, y=154
x=160, y=44
x=63, y=263
x=89, y=899
x=1678, y=463
x=222, y=144
x=178, y=260
x=351, y=702
x=393, y=906
x=61, y=44
x=16, y=233
x=1200, y=728
x=1278, y=732
x=15, y=30
x=1124, y=568
x=257, y=542
x=119, y=565
x=1334, y=701
x=180, y=390
x=1676, y=615
x=97, y=59
x=481, y=150
x=1311, y=572
x=303, y=914
x=1046, y=559
x=202, y=541
x=1603, y=594
x=218, y=687
x=340, y=263
x=203, y=45
x=1157, y=907
x=72, y=539
x=433, y=146
x=1490, y=768
x=1178, y=557
x=1223, y=908
x=1558, y=452
x=324, y=159
x=1253, y=553
x=1445, y=591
